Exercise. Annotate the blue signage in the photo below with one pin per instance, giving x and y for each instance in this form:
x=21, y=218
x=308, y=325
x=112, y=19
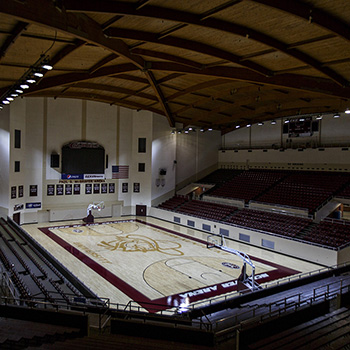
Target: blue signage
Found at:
x=33, y=205
x=72, y=177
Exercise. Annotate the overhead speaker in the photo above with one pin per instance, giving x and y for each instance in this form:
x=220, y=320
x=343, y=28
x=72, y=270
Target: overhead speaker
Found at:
x=55, y=161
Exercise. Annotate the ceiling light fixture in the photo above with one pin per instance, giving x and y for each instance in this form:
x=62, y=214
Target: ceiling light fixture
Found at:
x=260, y=123
x=31, y=76
x=319, y=117
x=347, y=111
x=336, y=115
x=273, y=122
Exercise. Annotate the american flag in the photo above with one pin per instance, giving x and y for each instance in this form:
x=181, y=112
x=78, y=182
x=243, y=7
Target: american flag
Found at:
x=120, y=171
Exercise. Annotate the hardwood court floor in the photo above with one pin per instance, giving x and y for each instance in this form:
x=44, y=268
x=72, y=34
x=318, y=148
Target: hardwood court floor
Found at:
x=153, y=261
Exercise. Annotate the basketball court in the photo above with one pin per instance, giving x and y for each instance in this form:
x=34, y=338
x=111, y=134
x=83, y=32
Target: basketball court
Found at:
x=150, y=261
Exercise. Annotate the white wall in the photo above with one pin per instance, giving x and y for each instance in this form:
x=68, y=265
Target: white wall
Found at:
x=332, y=131
x=4, y=160
x=328, y=159
x=195, y=152
x=163, y=156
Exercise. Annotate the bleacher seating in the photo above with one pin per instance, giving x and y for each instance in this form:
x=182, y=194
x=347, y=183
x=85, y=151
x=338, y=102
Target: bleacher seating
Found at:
x=207, y=210
x=305, y=190
x=285, y=225
x=329, y=233
x=173, y=202
x=248, y=185
x=31, y=273
x=219, y=176
x=329, y=331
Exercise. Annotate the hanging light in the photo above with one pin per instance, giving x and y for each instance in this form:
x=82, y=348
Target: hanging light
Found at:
x=39, y=74
x=347, y=111
x=273, y=122
x=319, y=117
x=5, y=102
x=24, y=86
x=337, y=115
x=260, y=123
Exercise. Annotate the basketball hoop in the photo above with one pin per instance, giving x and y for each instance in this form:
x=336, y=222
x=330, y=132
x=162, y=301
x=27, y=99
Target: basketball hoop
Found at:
x=97, y=206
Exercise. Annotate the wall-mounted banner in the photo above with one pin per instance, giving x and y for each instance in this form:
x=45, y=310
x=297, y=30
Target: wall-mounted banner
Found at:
x=33, y=190
x=59, y=189
x=13, y=192
x=104, y=188
x=20, y=191
x=88, y=188
x=136, y=187
x=68, y=189
x=50, y=190
x=125, y=187
x=96, y=188
x=76, y=189
x=111, y=188
x=36, y=205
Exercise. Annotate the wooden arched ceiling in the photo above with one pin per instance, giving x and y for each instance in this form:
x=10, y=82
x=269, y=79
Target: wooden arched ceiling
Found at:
x=217, y=63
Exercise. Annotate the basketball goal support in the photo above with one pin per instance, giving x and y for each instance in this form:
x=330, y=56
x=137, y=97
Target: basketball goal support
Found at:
x=214, y=241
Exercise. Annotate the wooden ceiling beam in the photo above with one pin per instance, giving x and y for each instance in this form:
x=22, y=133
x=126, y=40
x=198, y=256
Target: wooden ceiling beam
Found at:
x=166, y=57
x=71, y=78
x=160, y=97
x=99, y=98
x=81, y=27
x=65, y=51
x=187, y=45
x=312, y=15
x=102, y=62
x=290, y=81
x=16, y=32
x=120, y=7
x=117, y=89
x=194, y=88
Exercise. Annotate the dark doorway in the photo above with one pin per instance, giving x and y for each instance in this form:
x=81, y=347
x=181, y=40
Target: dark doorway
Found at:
x=141, y=210
x=17, y=218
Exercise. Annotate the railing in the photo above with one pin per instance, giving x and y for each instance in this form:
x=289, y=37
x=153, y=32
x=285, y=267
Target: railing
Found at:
x=285, y=280
x=286, y=305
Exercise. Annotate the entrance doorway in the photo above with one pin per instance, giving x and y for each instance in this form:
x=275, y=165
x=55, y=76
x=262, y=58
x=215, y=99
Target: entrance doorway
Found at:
x=17, y=218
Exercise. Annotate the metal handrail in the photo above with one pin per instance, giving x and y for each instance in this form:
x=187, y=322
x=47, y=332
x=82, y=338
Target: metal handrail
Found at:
x=327, y=295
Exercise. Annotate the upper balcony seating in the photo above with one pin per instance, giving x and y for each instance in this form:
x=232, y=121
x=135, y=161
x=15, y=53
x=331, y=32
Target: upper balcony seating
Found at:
x=219, y=176
x=212, y=211
x=248, y=184
x=173, y=202
x=305, y=189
